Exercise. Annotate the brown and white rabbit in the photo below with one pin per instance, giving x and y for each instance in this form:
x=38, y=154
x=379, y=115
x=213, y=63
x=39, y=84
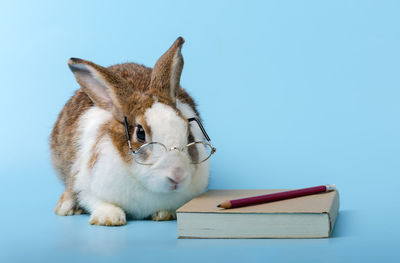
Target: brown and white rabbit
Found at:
x=89, y=146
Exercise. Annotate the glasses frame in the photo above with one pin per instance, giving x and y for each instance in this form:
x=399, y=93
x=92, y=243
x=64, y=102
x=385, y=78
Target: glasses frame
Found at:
x=208, y=142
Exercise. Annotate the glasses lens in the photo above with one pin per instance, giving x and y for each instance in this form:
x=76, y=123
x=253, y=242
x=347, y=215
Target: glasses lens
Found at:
x=199, y=152
x=149, y=153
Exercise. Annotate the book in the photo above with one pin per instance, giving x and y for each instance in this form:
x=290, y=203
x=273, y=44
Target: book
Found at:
x=311, y=216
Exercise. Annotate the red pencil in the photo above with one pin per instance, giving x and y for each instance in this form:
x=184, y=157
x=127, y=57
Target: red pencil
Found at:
x=276, y=196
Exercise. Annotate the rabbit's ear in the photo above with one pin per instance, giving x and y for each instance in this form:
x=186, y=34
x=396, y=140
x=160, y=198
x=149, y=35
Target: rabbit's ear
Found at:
x=167, y=70
x=99, y=84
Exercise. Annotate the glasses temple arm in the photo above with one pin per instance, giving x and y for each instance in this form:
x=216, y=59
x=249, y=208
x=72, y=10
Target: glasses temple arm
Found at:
x=128, y=137
x=201, y=128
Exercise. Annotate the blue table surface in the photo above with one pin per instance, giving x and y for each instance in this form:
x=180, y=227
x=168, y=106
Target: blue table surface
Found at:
x=30, y=231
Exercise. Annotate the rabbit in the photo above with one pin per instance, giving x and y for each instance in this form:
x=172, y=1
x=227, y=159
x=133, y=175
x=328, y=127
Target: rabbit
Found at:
x=118, y=107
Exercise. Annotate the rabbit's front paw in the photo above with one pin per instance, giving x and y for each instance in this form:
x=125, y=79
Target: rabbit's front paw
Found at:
x=164, y=215
x=108, y=215
x=67, y=206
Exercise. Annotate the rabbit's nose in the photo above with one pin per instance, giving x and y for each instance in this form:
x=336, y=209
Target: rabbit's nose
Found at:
x=177, y=174
x=176, y=177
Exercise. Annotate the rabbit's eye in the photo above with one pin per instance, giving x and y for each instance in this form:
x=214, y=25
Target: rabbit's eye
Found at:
x=140, y=134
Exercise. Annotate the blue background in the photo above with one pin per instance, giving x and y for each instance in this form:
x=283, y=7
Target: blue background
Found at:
x=292, y=93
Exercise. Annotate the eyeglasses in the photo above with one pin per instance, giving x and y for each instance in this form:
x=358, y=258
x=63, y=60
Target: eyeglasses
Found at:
x=150, y=153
